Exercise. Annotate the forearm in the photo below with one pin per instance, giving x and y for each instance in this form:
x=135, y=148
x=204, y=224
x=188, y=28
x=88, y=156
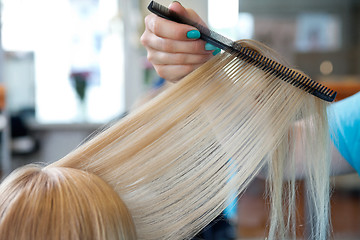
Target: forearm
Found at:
x=338, y=164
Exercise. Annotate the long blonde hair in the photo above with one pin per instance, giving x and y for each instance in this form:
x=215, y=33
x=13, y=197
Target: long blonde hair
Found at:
x=177, y=160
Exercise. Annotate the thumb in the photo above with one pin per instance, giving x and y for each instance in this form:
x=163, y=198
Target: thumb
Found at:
x=178, y=8
x=186, y=12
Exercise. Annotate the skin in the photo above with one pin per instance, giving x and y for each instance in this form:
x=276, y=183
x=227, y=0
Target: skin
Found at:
x=173, y=56
x=339, y=166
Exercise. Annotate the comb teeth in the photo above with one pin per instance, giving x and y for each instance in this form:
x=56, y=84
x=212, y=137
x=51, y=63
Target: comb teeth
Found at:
x=266, y=64
x=284, y=73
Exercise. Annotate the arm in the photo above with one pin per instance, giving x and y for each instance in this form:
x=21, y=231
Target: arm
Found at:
x=344, y=123
x=175, y=49
x=338, y=165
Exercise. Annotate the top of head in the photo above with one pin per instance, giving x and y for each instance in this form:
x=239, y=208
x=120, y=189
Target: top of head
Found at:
x=61, y=203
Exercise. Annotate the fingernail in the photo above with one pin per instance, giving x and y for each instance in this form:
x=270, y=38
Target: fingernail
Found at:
x=216, y=51
x=177, y=2
x=193, y=34
x=209, y=47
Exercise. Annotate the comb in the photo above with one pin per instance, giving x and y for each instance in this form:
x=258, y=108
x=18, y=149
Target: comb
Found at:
x=266, y=64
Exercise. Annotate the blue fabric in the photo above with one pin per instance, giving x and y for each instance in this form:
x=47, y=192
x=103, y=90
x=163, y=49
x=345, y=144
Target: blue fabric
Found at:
x=230, y=211
x=344, y=122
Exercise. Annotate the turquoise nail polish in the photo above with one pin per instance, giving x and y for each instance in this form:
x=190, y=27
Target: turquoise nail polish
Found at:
x=216, y=51
x=209, y=47
x=193, y=34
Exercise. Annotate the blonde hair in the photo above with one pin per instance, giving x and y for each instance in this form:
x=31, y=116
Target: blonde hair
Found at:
x=61, y=203
x=177, y=160
x=308, y=133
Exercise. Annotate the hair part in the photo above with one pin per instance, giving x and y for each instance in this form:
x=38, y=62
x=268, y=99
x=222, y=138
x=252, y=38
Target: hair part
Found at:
x=61, y=203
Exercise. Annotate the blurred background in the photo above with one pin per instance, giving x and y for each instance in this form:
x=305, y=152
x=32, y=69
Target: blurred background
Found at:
x=67, y=67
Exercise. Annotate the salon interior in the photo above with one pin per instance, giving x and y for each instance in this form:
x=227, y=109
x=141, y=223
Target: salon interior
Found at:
x=68, y=67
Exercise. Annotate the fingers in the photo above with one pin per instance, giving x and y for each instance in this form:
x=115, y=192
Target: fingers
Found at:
x=175, y=49
x=174, y=73
x=150, y=40
x=164, y=28
x=176, y=58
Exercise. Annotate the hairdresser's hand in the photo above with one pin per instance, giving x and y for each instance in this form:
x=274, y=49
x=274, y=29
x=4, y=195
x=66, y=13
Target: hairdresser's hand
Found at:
x=175, y=49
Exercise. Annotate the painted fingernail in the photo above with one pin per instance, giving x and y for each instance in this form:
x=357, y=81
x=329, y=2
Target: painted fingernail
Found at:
x=216, y=51
x=193, y=34
x=209, y=47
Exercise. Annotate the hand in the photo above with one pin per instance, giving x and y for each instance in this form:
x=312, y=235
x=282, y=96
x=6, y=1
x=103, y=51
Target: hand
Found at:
x=175, y=49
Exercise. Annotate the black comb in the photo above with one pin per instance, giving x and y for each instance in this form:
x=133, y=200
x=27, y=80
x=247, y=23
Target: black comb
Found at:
x=266, y=64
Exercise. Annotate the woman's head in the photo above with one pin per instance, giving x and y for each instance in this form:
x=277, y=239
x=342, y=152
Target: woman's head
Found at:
x=61, y=203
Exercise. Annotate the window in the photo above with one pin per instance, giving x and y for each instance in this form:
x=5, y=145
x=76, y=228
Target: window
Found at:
x=71, y=42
